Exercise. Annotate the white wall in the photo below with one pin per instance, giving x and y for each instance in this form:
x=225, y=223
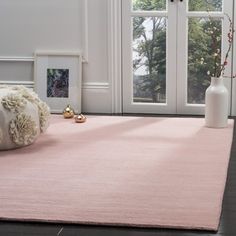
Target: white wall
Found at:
x=29, y=25
x=96, y=92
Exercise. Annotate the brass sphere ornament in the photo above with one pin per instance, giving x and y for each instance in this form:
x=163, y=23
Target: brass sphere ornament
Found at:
x=80, y=118
x=68, y=112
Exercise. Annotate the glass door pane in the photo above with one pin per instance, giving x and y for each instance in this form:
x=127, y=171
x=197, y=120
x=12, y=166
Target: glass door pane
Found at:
x=149, y=56
x=204, y=5
x=149, y=59
x=203, y=29
x=205, y=35
x=149, y=5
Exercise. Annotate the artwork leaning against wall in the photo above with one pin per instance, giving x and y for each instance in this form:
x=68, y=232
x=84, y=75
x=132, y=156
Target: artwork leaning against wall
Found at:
x=58, y=79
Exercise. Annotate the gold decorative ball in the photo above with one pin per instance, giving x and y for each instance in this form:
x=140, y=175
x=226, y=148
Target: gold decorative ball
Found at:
x=68, y=112
x=80, y=118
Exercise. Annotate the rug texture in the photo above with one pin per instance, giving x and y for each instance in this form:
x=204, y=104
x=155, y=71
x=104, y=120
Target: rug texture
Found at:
x=129, y=171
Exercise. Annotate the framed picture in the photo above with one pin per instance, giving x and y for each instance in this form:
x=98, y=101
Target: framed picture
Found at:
x=57, y=77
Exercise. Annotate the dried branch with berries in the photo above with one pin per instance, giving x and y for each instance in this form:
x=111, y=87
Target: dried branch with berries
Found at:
x=219, y=67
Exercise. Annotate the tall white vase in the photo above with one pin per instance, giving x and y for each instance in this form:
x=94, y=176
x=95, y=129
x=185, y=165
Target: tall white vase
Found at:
x=216, y=110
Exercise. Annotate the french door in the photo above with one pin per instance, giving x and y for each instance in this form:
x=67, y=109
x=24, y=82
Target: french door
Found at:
x=168, y=53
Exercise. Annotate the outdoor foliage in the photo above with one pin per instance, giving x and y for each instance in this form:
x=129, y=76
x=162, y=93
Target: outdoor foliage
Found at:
x=149, y=51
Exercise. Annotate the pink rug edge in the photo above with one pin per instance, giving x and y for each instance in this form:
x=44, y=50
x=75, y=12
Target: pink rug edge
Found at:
x=232, y=123
x=125, y=225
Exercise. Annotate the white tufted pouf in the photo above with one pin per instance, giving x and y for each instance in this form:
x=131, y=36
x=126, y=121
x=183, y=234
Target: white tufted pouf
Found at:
x=23, y=116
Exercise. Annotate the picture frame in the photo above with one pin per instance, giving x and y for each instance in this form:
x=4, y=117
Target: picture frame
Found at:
x=57, y=79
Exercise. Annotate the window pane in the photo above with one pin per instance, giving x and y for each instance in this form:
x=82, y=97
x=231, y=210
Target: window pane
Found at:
x=149, y=59
x=203, y=45
x=204, y=5
x=149, y=5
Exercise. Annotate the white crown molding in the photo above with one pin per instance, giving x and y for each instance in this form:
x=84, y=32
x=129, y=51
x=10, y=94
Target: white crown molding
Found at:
x=114, y=53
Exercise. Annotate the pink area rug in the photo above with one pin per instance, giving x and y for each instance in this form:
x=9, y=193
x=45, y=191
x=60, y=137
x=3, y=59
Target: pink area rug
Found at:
x=129, y=171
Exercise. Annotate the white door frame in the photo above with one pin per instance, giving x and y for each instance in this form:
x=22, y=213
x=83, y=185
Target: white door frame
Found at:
x=233, y=97
x=182, y=54
x=176, y=82
x=128, y=105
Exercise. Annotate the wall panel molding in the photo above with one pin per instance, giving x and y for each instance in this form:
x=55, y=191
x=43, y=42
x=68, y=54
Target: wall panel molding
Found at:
x=28, y=84
x=114, y=54
x=89, y=85
x=95, y=85
x=16, y=59
x=85, y=32
x=96, y=98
